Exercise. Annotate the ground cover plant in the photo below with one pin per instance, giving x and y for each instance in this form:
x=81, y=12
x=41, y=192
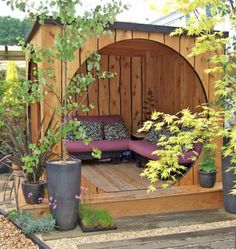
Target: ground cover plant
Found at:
x=95, y=218
x=30, y=224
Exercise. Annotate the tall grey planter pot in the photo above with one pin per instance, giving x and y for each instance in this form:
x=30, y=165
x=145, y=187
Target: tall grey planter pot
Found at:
x=228, y=179
x=63, y=183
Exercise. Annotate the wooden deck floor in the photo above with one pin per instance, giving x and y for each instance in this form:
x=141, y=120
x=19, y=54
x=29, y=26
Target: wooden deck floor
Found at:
x=111, y=178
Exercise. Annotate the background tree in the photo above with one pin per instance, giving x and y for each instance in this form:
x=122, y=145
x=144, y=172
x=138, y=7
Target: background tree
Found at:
x=11, y=28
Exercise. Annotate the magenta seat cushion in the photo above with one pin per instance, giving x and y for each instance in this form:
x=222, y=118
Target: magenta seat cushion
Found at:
x=186, y=159
x=104, y=145
x=143, y=148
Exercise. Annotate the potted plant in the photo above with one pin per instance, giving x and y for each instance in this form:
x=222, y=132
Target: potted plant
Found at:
x=29, y=158
x=206, y=170
x=33, y=164
x=63, y=175
x=28, y=153
x=91, y=219
x=94, y=220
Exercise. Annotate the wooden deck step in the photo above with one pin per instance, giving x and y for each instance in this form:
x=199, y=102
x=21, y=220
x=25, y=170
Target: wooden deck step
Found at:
x=174, y=199
x=131, y=203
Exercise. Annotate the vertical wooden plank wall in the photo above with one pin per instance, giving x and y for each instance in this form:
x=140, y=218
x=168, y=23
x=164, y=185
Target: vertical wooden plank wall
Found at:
x=45, y=37
x=169, y=78
x=114, y=84
x=35, y=109
x=164, y=75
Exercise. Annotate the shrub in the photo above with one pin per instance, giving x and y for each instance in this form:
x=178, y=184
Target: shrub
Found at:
x=30, y=224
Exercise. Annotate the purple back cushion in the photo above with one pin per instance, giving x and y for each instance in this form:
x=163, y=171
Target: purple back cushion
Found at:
x=100, y=118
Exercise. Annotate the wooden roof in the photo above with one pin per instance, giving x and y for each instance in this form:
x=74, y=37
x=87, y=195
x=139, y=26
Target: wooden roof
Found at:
x=116, y=25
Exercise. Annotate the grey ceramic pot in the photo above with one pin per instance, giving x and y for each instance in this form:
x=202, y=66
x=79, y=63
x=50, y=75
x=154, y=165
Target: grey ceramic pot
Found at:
x=207, y=180
x=33, y=192
x=228, y=180
x=63, y=183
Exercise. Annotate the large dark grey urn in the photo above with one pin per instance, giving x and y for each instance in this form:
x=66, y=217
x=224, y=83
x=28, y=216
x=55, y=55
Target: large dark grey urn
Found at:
x=228, y=180
x=63, y=183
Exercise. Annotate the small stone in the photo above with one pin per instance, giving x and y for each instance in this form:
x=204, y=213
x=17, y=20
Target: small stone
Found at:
x=11, y=236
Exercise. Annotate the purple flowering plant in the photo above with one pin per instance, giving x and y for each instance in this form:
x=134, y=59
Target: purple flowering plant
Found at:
x=52, y=202
x=83, y=192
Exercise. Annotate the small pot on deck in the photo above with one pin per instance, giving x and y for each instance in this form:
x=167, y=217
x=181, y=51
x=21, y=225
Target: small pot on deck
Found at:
x=207, y=179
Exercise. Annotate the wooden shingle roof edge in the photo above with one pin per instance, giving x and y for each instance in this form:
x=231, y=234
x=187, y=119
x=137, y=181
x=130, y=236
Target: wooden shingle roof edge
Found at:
x=116, y=25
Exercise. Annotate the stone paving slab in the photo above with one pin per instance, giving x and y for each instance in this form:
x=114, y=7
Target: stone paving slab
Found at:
x=220, y=239
x=209, y=228
x=140, y=223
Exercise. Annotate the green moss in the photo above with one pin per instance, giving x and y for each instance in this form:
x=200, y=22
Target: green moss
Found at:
x=95, y=217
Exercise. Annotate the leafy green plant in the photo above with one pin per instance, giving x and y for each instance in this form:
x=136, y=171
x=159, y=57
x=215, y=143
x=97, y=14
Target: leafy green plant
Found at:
x=29, y=224
x=77, y=29
x=207, y=124
x=29, y=156
x=208, y=163
x=205, y=127
x=91, y=217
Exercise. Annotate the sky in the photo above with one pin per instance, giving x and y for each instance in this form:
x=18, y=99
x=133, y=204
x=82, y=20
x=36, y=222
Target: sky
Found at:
x=139, y=10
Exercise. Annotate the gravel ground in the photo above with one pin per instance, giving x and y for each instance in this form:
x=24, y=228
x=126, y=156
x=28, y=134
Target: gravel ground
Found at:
x=73, y=243
x=12, y=238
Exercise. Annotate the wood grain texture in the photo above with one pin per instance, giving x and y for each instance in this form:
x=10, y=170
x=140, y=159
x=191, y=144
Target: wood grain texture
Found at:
x=114, y=85
x=92, y=189
x=50, y=102
x=140, y=35
x=123, y=35
x=89, y=47
x=136, y=93
x=115, y=178
x=173, y=42
x=186, y=44
x=73, y=66
x=158, y=37
x=103, y=85
x=176, y=199
x=201, y=64
x=105, y=40
x=125, y=91
x=93, y=96
x=82, y=98
x=149, y=83
x=133, y=203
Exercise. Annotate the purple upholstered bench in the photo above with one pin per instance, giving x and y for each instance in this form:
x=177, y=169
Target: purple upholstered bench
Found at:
x=143, y=149
x=110, y=148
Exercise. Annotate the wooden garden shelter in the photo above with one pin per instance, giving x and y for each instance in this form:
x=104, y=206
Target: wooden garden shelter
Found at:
x=147, y=62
